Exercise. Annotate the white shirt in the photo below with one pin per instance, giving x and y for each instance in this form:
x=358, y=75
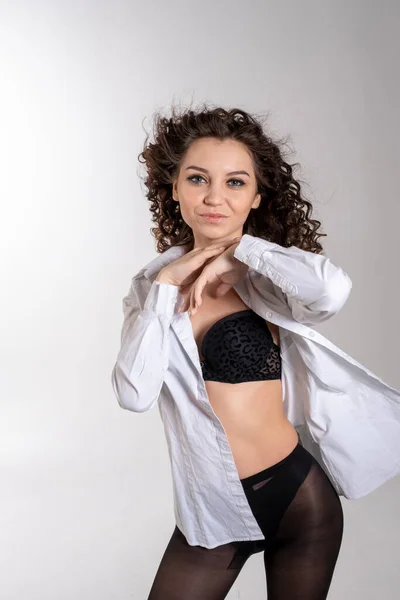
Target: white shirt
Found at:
x=345, y=416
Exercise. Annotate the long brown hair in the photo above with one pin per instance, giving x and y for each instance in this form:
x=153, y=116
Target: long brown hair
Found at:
x=283, y=216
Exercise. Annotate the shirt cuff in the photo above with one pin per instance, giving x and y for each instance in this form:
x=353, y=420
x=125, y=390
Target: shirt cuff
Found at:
x=162, y=298
x=244, y=250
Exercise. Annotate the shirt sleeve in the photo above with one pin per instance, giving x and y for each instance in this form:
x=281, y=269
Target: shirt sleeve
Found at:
x=313, y=287
x=142, y=361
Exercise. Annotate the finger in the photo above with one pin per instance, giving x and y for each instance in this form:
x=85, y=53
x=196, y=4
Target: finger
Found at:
x=184, y=305
x=213, y=251
x=198, y=291
x=191, y=299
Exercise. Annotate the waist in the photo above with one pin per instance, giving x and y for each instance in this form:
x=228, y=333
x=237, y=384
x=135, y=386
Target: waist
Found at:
x=251, y=412
x=261, y=446
x=250, y=405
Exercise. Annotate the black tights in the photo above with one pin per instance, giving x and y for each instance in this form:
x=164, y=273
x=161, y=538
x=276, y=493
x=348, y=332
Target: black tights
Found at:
x=301, y=516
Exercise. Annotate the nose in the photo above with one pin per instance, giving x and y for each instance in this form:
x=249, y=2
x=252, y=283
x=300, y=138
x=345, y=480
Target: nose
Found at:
x=214, y=195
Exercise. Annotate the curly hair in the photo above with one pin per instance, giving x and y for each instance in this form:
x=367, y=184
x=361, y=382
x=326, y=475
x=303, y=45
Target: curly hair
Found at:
x=283, y=215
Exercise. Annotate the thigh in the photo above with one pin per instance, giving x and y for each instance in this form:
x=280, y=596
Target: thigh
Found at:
x=302, y=559
x=196, y=573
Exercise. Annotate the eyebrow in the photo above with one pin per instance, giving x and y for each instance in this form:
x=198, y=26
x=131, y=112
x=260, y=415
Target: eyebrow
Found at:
x=205, y=171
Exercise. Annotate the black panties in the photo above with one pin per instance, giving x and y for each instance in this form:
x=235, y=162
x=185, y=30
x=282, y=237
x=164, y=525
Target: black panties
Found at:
x=301, y=517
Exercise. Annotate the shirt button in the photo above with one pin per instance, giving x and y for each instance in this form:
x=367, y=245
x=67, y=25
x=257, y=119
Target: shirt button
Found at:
x=269, y=314
x=312, y=333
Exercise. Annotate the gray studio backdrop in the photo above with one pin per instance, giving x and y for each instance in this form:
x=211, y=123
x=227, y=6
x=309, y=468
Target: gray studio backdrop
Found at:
x=86, y=505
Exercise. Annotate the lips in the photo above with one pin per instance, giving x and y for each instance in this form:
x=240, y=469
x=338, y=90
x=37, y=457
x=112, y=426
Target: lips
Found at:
x=213, y=219
x=214, y=215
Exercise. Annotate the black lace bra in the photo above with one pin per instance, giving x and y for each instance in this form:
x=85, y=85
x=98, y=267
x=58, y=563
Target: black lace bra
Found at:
x=239, y=347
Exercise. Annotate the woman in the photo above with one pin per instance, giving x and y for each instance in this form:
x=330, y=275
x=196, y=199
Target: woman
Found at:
x=267, y=422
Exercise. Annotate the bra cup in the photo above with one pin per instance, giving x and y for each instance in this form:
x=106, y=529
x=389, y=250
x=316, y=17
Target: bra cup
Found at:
x=239, y=347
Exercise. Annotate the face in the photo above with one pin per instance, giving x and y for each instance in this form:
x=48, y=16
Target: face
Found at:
x=216, y=177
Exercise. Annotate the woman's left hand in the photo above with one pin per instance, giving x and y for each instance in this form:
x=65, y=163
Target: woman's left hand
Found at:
x=226, y=268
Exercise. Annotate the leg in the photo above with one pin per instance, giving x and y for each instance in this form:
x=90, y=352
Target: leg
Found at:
x=196, y=573
x=301, y=562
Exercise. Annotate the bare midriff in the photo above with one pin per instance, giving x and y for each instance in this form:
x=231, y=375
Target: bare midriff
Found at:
x=259, y=433
x=252, y=414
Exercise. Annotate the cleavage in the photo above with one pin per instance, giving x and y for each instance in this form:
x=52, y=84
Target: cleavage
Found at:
x=212, y=310
x=219, y=308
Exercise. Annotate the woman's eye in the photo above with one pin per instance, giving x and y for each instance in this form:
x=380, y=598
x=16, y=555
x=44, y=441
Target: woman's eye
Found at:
x=200, y=177
x=194, y=176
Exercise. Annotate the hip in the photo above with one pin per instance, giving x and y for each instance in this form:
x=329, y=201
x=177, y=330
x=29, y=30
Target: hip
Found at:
x=262, y=447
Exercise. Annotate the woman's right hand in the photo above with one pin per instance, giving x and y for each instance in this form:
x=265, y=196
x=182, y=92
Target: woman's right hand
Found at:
x=185, y=270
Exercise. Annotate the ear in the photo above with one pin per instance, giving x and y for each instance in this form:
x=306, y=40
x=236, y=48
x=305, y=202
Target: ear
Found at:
x=256, y=201
x=174, y=191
